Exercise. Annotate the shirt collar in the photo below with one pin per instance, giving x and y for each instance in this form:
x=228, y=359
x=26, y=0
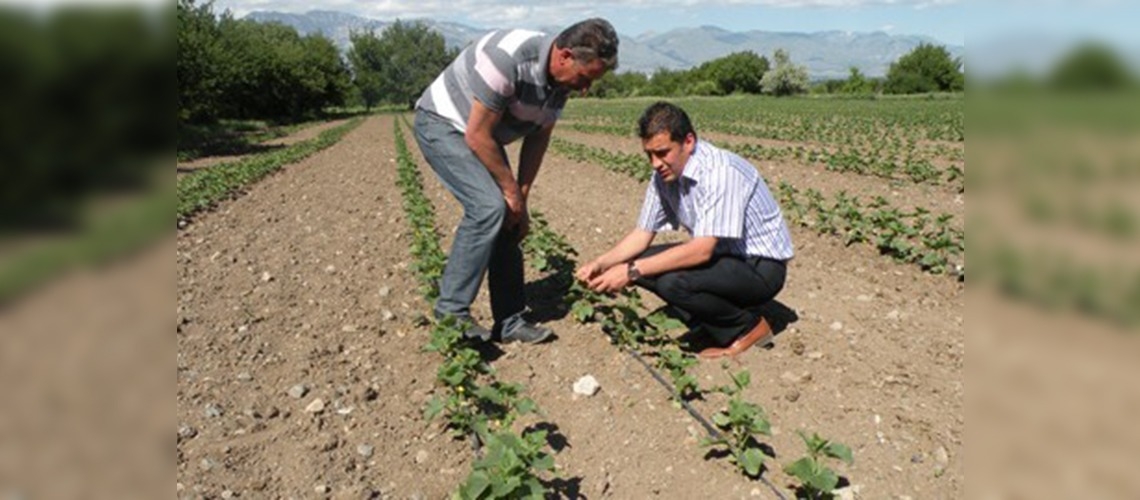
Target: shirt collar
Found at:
x=691, y=167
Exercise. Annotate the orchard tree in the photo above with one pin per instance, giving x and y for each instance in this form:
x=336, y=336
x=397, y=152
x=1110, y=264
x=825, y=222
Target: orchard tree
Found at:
x=857, y=83
x=1091, y=66
x=786, y=78
x=196, y=65
x=365, y=59
x=927, y=68
x=400, y=64
x=736, y=72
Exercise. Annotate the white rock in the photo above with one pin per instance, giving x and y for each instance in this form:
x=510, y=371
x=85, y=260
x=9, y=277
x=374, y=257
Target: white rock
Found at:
x=298, y=391
x=384, y=291
x=848, y=493
x=421, y=456
x=814, y=355
x=941, y=455
x=387, y=315
x=317, y=406
x=266, y=277
x=837, y=326
x=587, y=386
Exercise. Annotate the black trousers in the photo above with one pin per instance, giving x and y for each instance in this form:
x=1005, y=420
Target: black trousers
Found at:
x=720, y=296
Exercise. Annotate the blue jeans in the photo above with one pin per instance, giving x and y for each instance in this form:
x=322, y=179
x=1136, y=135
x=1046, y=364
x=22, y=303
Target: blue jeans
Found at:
x=482, y=243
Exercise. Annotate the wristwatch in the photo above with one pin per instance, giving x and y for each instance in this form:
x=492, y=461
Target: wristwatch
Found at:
x=632, y=271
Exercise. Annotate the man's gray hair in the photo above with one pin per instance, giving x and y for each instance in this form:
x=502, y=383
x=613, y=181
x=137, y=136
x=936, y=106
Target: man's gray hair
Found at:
x=591, y=39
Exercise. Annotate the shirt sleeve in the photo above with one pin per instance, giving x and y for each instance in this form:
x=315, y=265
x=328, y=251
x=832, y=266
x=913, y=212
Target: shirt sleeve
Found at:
x=494, y=76
x=653, y=217
x=721, y=204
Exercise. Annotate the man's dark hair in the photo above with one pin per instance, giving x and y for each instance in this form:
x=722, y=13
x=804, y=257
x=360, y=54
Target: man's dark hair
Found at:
x=662, y=116
x=589, y=40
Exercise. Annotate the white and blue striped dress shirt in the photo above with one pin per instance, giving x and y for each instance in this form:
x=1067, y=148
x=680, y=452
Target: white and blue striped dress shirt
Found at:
x=719, y=194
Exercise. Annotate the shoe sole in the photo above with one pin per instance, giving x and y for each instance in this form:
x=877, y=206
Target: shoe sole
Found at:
x=511, y=340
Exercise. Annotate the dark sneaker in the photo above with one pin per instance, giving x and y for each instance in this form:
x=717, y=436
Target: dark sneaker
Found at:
x=528, y=333
x=474, y=329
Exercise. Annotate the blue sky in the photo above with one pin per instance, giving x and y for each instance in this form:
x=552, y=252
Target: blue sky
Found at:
x=940, y=19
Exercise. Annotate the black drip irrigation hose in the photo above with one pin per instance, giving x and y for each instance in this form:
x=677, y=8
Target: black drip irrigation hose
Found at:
x=709, y=428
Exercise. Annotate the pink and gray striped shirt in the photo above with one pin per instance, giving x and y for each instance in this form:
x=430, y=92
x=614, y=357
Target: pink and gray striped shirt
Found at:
x=506, y=70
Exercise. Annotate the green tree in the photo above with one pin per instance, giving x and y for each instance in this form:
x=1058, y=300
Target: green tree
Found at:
x=196, y=64
x=927, y=68
x=365, y=59
x=400, y=64
x=613, y=84
x=736, y=72
x=1091, y=66
x=857, y=83
x=786, y=78
x=271, y=72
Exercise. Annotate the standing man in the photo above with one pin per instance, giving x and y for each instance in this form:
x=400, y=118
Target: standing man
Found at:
x=736, y=258
x=510, y=84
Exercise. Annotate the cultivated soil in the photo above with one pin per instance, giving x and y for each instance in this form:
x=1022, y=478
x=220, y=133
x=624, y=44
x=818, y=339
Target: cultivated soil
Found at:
x=302, y=290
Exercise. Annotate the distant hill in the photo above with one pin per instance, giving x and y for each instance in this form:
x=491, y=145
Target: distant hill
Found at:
x=827, y=54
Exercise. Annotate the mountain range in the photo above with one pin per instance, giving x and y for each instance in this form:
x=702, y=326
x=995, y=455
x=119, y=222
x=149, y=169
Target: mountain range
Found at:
x=826, y=54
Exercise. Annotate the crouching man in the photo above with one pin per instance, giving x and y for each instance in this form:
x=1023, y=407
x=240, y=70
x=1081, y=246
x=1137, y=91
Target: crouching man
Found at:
x=735, y=260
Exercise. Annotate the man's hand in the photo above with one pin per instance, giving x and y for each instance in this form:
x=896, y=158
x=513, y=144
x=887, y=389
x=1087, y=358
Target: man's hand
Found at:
x=612, y=280
x=524, y=226
x=516, y=207
x=588, y=271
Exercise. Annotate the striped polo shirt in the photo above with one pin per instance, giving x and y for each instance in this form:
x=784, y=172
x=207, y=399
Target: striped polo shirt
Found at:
x=506, y=70
x=719, y=194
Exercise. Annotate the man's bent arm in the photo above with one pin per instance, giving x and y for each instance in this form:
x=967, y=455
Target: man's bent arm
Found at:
x=691, y=253
x=530, y=157
x=479, y=138
x=632, y=245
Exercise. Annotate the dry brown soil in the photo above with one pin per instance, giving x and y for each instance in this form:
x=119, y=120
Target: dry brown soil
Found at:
x=306, y=280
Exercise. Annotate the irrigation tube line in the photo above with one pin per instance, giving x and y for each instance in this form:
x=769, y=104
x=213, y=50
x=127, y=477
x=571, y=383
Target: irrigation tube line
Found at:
x=712, y=431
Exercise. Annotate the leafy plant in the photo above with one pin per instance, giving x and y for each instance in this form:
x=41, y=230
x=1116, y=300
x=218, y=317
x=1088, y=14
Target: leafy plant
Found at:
x=741, y=422
x=508, y=470
x=816, y=479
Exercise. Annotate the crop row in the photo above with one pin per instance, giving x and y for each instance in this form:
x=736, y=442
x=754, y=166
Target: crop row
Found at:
x=830, y=121
x=918, y=237
x=738, y=425
x=887, y=166
x=203, y=189
x=909, y=169
x=474, y=402
x=1057, y=281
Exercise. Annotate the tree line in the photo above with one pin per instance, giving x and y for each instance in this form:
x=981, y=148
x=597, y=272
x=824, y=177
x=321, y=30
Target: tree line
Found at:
x=84, y=100
x=926, y=68
x=237, y=69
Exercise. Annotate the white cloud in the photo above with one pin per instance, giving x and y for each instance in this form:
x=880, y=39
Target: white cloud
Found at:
x=505, y=11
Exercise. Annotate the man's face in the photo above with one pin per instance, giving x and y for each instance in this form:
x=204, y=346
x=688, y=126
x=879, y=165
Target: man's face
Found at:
x=574, y=75
x=668, y=158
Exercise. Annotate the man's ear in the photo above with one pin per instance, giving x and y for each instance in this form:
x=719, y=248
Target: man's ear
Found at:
x=567, y=55
x=690, y=142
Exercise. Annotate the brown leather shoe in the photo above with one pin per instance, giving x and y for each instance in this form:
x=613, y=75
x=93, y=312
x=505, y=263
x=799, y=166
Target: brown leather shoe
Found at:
x=759, y=334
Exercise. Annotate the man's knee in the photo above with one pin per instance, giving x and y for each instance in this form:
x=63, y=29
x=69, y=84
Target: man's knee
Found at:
x=673, y=287
x=489, y=213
